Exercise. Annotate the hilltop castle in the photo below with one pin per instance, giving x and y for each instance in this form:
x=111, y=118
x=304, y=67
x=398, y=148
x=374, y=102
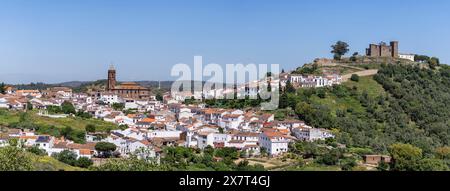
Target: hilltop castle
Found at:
x=383, y=50
x=125, y=89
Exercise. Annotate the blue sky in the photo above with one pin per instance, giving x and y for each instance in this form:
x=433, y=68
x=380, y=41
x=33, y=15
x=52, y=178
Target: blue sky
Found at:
x=63, y=40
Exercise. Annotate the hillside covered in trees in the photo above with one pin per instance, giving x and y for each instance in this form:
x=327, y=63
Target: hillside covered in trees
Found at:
x=404, y=104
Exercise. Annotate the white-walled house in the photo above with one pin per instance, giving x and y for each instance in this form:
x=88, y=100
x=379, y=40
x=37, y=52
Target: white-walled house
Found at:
x=242, y=140
x=4, y=103
x=185, y=113
x=311, y=134
x=44, y=142
x=110, y=98
x=274, y=142
x=315, y=81
x=250, y=138
x=231, y=121
x=131, y=104
x=163, y=134
x=409, y=57
x=205, y=139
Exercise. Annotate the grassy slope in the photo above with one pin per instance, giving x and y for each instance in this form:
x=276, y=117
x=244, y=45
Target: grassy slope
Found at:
x=342, y=69
x=366, y=83
x=46, y=163
x=8, y=117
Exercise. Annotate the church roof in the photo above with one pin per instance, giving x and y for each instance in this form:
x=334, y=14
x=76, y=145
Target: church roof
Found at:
x=130, y=86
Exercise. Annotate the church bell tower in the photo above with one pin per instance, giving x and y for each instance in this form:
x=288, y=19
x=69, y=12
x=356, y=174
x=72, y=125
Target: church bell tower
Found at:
x=111, y=78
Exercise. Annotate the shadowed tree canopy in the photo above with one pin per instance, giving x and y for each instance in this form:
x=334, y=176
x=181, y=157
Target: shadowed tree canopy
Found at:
x=339, y=49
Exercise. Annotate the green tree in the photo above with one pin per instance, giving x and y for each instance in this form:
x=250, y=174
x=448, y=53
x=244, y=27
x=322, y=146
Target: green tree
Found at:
x=302, y=109
x=306, y=149
x=289, y=87
x=14, y=159
x=14, y=142
x=354, y=78
x=2, y=88
x=209, y=150
x=67, y=108
x=348, y=164
x=123, y=127
x=29, y=106
x=431, y=165
x=229, y=152
x=263, y=151
x=330, y=158
x=128, y=164
x=84, y=162
x=244, y=166
x=321, y=93
x=159, y=96
x=90, y=128
x=37, y=151
x=118, y=106
x=283, y=102
x=339, y=49
x=84, y=115
x=433, y=62
x=66, y=156
x=353, y=58
x=77, y=136
x=383, y=166
x=421, y=58
x=280, y=116
x=105, y=149
x=54, y=109
x=404, y=157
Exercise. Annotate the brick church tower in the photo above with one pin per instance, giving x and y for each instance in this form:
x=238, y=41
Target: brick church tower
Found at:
x=111, y=79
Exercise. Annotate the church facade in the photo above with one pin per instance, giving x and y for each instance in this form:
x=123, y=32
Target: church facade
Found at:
x=125, y=89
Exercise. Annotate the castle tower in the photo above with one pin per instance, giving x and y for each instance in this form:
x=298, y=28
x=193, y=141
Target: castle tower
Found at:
x=394, y=49
x=111, y=78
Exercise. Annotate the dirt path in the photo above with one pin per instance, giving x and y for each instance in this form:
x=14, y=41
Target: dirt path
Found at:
x=361, y=73
x=340, y=65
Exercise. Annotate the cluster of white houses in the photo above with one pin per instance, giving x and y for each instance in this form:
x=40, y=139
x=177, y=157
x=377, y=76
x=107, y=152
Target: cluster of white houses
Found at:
x=148, y=124
x=253, y=88
x=311, y=81
x=155, y=124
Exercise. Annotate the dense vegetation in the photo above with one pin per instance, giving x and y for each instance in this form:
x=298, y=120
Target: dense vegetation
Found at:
x=13, y=158
x=409, y=107
x=181, y=159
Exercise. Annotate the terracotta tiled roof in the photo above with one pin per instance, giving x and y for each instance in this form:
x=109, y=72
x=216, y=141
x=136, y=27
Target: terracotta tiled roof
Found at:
x=130, y=86
x=226, y=116
x=85, y=152
x=145, y=142
x=28, y=137
x=26, y=91
x=147, y=120
x=273, y=134
x=88, y=145
x=131, y=115
x=247, y=134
